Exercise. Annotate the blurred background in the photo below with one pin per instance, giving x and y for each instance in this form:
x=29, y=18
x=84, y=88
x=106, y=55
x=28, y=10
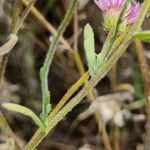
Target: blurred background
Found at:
x=122, y=108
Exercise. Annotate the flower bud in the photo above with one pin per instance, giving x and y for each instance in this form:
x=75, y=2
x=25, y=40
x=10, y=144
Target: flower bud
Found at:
x=111, y=10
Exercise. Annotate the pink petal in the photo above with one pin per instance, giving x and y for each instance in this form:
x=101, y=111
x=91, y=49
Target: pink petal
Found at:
x=120, y=3
x=104, y=5
x=100, y=4
x=133, y=13
x=113, y=2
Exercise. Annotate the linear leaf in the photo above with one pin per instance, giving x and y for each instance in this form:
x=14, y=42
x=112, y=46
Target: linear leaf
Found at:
x=25, y=111
x=144, y=36
x=89, y=48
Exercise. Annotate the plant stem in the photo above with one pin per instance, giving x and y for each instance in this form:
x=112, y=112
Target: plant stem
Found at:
x=68, y=95
x=3, y=67
x=119, y=40
x=39, y=135
x=102, y=130
x=113, y=78
x=115, y=128
x=116, y=137
x=76, y=55
x=44, y=71
x=15, y=16
x=75, y=51
x=146, y=81
x=78, y=62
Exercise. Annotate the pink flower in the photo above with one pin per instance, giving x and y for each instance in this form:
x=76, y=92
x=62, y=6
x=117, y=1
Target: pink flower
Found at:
x=111, y=10
x=132, y=13
x=106, y=5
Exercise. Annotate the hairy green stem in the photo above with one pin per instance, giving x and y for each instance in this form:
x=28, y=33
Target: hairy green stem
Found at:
x=44, y=71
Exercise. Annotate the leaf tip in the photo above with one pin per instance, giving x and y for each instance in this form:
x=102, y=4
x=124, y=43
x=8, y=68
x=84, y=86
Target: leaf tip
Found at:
x=88, y=27
x=6, y=105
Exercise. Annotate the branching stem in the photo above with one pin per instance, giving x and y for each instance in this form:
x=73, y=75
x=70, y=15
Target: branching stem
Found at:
x=39, y=135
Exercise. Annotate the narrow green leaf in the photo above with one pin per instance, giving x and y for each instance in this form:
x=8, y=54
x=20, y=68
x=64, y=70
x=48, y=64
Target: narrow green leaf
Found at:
x=89, y=48
x=25, y=111
x=144, y=36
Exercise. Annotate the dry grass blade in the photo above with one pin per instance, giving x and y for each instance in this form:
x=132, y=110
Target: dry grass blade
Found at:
x=9, y=45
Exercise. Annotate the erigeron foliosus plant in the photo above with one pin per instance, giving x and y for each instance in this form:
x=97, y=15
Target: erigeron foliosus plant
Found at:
x=122, y=21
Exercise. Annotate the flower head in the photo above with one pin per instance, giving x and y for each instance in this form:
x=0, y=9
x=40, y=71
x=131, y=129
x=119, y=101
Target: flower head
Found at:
x=132, y=13
x=111, y=10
